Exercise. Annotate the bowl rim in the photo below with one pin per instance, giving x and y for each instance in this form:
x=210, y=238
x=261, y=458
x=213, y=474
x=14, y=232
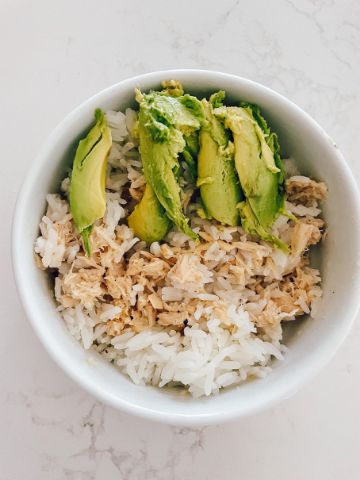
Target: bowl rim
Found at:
x=54, y=351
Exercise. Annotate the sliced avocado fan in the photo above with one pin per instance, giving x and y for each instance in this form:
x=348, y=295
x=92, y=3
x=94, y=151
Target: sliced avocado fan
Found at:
x=87, y=187
x=259, y=167
x=165, y=122
x=217, y=178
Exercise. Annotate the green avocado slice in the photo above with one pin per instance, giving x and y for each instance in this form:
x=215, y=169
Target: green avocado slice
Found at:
x=259, y=167
x=164, y=121
x=148, y=219
x=87, y=187
x=219, y=185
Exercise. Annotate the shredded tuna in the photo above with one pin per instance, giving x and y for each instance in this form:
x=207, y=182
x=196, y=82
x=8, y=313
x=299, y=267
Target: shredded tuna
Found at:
x=304, y=190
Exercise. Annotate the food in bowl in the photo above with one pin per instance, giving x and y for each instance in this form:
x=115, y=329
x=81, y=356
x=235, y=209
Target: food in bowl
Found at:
x=181, y=241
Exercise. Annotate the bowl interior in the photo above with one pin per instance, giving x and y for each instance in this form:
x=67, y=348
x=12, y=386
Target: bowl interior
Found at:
x=311, y=341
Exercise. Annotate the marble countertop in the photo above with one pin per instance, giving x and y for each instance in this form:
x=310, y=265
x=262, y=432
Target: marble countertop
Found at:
x=53, y=56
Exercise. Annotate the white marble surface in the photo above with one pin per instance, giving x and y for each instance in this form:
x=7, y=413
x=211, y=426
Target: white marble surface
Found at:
x=53, y=56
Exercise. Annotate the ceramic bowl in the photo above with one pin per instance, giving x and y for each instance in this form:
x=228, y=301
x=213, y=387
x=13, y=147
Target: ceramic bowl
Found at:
x=312, y=341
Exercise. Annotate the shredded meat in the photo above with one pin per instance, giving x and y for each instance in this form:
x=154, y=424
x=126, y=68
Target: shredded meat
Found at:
x=303, y=190
x=174, y=282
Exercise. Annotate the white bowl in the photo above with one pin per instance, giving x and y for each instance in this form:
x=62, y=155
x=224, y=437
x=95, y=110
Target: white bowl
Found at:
x=312, y=342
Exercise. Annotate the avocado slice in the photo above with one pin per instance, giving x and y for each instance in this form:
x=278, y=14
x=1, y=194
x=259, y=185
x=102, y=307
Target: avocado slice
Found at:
x=164, y=122
x=148, y=220
x=220, y=190
x=259, y=167
x=87, y=187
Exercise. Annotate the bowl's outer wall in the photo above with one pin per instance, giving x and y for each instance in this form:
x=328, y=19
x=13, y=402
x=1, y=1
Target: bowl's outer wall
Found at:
x=316, y=340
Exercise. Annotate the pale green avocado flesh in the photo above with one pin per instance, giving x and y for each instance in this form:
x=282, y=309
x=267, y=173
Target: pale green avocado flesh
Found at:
x=164, y=122
x=261, y=177
x=87, y=187
x=148, y=219
x=219, y=185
